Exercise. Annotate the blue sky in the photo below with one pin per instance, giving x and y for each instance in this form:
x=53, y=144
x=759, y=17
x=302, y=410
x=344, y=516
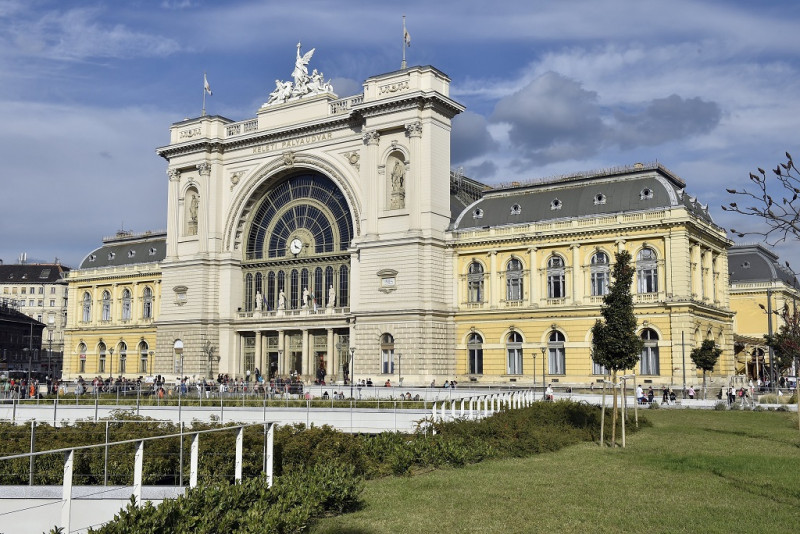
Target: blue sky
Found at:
x=89, y=90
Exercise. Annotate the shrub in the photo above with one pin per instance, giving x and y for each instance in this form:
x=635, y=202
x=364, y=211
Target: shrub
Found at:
x=720, y=406
x=654, y=405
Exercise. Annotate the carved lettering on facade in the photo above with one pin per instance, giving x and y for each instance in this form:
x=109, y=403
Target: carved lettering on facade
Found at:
x=393, y=87
x=188, y=134
x=290, y=143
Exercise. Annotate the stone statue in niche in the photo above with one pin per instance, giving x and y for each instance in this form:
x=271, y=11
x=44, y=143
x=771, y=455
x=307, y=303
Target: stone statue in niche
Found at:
x=331, y=297
x=282, y=300
x=306, y=297
x=398, y=179
x=259, y=299
x=194, y=206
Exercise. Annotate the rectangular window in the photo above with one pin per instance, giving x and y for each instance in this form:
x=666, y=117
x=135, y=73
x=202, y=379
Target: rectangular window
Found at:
x=101, y=365
x=53, y=290
x=52, y=303
x=82, y=367
x=387, y=361
x=23, y=290
x=476, y=361
x=40, y=303
x=556, y=361
x=648, y=281
x=514, y=366
x=599, y=284
x=649, y=361
x=598, y=369
x=555, y=286
x=143, y=365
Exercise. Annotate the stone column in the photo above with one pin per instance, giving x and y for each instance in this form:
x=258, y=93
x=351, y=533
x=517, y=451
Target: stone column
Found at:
x=332, y=364
x=372, y=140
x=414, y=182
x=307, y=368
x=173, y=220
x=577, y=271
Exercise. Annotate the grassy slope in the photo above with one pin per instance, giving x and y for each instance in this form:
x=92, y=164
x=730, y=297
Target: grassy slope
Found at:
x=693, y=471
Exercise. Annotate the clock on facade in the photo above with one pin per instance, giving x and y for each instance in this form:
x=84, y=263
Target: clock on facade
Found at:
x=295, y=246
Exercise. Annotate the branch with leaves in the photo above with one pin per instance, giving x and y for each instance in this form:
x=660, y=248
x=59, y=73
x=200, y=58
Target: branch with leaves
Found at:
x=782, y=216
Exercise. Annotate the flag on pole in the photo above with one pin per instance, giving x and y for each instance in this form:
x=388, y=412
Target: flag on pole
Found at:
x=205, y=84
x=406, y=37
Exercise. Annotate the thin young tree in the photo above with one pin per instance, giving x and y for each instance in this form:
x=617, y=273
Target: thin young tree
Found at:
x=616, y=345
x=705, y=357
x=786, y=343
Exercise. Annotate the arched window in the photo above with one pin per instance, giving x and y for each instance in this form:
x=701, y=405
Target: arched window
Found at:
x=514, y=280
x=101, y=359
x=259, y=280
x=87, y=307
x=344, y=290
x=126, y=305
x=143, y=348
x=599, y=274
x=271, y=291
x=294, y=291
x=319, y=286
x=82, y=358
x=387, y=354
x=303, y=282
x=649, y=361
x=647, y=271
x=147, y=303
x=514, y=354
x=123, y=357
x=475, y=282
x=475, y=354
x=106, y=306
x=557, y=353
x=248, y=292
x=555, y=278
x=330, y=280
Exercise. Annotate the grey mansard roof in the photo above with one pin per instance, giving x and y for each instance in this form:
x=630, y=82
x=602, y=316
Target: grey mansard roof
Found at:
x=638, y=187
x=128, y=249
x=755, y=263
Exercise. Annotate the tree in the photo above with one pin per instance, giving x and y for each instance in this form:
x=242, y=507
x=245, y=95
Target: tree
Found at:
x=786, y=345
x=782, y=216
x=616, y=345
x=705, y=357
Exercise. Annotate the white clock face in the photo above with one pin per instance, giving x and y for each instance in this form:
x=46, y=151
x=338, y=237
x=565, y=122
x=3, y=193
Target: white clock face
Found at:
x=295, y=246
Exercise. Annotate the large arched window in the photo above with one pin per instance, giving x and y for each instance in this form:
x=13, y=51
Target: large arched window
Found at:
x=475, y=354
x=555, y=278
x=147, y=303
x=87, y=307
x=387, y=354
x=82, y=358
x=514, y=354
x=475, y=282
x=557, y=354
x=126, y=305
x=143, y=348
x=106, y=316
x=649, y=361
x=647, y=271
x=123, y=357
x=101, y=358
x=599, y=274
x=514, y=280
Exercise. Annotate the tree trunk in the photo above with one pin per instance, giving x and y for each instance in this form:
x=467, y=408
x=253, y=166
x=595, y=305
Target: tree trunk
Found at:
x=614, y=409
x=704, y=384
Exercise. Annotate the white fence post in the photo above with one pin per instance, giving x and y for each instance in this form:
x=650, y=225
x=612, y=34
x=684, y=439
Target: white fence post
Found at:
x=193, y=460
x=66, y=494
x=137, y=472
x=239, y=441
x=270, y=441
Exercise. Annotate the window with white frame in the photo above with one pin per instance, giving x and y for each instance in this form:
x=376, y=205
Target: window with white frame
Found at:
x=387, y=354
x=82, y=358
x=599, y=274
x=87, y=307
x=475, y=354
x=106, y=303
x=649, y=361
x=126, y=305
x=123, y=357
x=557, y=354
x=147, y=303
x=514, y=354
x=475, y=282
x=556, y=288
x=647, y=271
x=101, y=361
x=514, y=280
x=143, y=347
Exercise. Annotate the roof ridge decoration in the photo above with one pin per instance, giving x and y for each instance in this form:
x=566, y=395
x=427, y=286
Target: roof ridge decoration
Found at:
x=303, y=85
x=598, y=173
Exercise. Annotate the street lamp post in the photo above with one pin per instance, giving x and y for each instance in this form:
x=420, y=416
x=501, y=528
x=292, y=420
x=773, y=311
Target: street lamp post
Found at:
x=151, y=362
x=544, y=352
x=352, y=369
x=110, y=365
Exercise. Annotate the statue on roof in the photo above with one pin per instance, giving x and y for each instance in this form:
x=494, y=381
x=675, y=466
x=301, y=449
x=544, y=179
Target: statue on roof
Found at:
x=303, y=84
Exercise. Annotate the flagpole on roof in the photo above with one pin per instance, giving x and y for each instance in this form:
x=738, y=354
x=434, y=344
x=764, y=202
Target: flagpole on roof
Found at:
x=406, y=42
x=206, y=89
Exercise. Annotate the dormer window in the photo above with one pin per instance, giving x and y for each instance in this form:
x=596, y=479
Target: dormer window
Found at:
x=516, y=209
x=599, y=198
x=477, y=214
x=746, y=265
x=111, y=255
x=131, y=253
x=646, y=194
x=555, y=204
x=92, y=257
x=152, y=251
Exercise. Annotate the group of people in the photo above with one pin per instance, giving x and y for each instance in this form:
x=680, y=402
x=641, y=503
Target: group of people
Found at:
x=668, y=395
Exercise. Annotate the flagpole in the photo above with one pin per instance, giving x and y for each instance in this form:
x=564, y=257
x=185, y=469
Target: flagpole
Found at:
x=204, y=94
x=403, y=65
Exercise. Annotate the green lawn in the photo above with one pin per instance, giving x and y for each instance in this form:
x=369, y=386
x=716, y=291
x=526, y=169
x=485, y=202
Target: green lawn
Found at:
x=692, y=471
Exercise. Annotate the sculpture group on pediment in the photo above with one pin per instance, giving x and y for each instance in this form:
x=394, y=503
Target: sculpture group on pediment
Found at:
x=303, y=84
